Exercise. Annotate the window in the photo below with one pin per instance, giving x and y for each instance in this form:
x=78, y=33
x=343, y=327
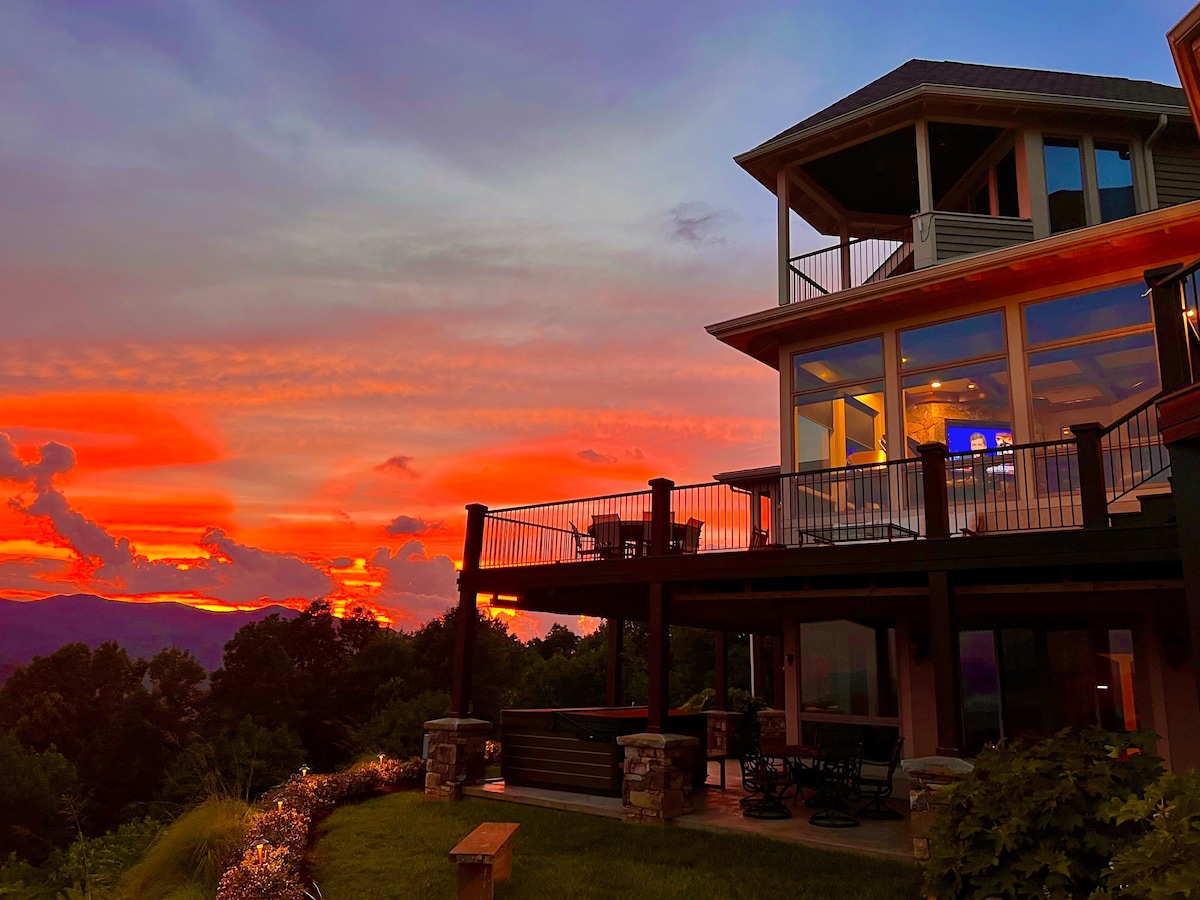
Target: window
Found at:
x=1064, y=184
x=1114, y=176
x=848, y=669
x=838, y=404
x=955, y=372
x=1091, y=358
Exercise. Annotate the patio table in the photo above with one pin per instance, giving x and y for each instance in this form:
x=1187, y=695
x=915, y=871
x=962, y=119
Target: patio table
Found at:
x=635, y=533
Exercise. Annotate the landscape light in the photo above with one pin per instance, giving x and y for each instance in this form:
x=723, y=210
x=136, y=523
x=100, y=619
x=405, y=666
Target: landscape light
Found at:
x=261, y=853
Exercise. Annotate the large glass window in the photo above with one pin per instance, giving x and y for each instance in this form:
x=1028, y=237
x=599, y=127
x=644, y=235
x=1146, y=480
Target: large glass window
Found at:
x=1092, y=358
x=838, y=405
x=848, y=669
x=1064, y=184
x=956, y=383
x=1114, y=176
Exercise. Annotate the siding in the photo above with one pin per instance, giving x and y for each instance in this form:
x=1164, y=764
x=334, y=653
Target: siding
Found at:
x=1176, y=174
x=958, y=234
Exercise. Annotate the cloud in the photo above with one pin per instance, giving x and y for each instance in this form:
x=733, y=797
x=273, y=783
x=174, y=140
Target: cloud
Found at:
x=408, y=525
x=697, y=223
x=416, y=586
x=397, y=465
x=235, y=572
x=594, y=457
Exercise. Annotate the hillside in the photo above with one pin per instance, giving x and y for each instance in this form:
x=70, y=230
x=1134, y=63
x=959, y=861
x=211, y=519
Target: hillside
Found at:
x=39, y=627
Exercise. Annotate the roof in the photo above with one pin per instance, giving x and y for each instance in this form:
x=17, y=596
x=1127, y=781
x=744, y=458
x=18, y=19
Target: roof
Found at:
x=918, y=72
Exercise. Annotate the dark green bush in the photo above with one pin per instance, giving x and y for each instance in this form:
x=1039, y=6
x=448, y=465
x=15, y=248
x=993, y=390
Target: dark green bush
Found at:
x=1163, y=861
x=1036, y=821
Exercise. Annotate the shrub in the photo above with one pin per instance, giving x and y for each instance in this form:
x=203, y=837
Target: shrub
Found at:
x=1163, y=861
x=1029, y=821
x=195, y=849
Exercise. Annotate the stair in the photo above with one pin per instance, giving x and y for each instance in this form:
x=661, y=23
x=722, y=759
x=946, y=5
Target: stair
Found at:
x=1156, y=509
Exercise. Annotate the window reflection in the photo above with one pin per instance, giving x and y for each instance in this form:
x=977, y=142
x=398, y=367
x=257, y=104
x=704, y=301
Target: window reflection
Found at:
x=847, y=669
x=1114, y=175
x=1069, y=318
x=1064, y=184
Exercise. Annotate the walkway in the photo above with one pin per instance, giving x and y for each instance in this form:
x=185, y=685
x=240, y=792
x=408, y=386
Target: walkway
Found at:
x=718, y=810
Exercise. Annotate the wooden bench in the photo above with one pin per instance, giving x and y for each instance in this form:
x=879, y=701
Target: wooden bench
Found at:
x=484, y=857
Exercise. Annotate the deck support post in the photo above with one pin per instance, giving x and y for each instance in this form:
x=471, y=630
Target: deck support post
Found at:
x=616, y=646
x=943, y=640
x=658, y=701
x=721, y=652
x=464, y=637
x=933, y=480
x=1093, y=495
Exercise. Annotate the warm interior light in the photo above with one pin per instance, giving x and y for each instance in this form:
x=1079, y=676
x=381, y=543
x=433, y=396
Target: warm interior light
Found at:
x=1191, y=314
x=971, y=385
x=935, y=384
x=903, y=359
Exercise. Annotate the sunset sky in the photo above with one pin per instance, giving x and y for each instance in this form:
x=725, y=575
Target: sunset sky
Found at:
x=286, y=285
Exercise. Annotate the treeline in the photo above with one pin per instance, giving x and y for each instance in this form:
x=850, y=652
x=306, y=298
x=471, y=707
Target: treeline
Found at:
x=91, y=739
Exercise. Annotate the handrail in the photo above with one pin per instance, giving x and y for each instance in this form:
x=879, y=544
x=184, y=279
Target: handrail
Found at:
x=493, y=513
x=848, y=264
x=1109, y=429
x=1132, y=450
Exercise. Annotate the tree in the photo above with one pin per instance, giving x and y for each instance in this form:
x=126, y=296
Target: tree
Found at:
x=29, y=793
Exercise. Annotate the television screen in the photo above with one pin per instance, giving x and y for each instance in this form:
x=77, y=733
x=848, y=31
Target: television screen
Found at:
x=965, y=436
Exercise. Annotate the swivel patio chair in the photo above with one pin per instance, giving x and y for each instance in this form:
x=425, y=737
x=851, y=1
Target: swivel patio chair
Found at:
x=877, y=789
x=836, y=773
x=764, y=782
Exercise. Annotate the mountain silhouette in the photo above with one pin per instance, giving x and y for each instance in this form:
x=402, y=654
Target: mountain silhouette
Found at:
x=39, y=627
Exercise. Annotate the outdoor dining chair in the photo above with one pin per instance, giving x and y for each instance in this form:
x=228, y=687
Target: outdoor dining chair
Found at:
x=691, y=536
x=581, y=549
x=836, y=772
x=876, y=789
x=606, y=529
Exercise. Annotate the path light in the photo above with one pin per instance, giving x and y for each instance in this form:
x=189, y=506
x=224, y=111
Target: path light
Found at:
x=381, y=758
x=279, y=804
x=261, y=853
x=304, y=771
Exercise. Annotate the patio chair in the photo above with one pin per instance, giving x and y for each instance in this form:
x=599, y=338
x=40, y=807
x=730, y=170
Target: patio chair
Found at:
x=606, y=529
x=876, y=789
x=836, y=773
x=581, y=549
x=764, y=782
x=690, y=543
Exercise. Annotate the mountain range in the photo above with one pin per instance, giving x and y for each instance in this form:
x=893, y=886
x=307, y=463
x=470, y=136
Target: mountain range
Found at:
x=39, y=627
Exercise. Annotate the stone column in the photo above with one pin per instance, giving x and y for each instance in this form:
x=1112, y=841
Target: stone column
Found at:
x=722, y=726
x=658, y=772
x=772, y=729
x=456, y=756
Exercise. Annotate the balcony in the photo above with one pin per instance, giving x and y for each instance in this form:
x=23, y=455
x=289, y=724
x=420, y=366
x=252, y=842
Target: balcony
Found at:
x=931, y=239
x=1068, y=484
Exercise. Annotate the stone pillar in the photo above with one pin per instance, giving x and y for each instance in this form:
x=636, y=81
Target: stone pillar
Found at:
x=722, y=726
x=456, y=756
x=772, y=729
x=658, y=773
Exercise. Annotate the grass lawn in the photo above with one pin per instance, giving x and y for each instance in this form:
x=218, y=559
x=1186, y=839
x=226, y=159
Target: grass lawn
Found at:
x=395, y=847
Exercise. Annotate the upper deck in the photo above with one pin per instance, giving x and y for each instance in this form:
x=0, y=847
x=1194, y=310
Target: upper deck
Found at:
x=939, y=161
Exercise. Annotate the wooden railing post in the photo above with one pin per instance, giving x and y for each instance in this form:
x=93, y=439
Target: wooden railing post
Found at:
x=1093, y=494
x=933, y=480
x=660, y=516
x=658, y=664
x=464, y=637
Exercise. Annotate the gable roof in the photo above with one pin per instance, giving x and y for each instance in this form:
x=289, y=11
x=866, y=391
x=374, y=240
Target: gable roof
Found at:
x=924, y=72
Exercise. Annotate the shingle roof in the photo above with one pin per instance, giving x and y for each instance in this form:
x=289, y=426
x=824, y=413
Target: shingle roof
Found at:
x=918, y=72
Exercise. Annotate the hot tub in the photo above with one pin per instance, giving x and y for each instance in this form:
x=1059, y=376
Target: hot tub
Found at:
x=577, y=749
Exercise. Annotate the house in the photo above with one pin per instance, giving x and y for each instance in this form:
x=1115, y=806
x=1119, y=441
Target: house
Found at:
x=976, y=530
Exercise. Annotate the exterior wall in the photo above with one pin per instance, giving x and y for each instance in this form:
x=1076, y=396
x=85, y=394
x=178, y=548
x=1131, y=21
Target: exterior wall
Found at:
x=1176, y=174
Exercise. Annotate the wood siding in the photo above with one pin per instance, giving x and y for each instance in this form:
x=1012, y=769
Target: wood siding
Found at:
x=1176, y=174
x=960, y=234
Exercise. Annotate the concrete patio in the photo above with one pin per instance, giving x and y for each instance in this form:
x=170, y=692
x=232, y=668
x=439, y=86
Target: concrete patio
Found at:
x=720, y=810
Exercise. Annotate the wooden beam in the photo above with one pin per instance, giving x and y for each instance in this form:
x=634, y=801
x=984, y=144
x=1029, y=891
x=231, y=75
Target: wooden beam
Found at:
x=924, y=174
x=464, y=632
x=784, y=238
x=721, y=675
x=943, y=640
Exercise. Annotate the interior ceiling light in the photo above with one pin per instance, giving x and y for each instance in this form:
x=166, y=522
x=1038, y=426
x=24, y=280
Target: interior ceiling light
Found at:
x=971, y=385
x=935, y=384
x=1191, y=314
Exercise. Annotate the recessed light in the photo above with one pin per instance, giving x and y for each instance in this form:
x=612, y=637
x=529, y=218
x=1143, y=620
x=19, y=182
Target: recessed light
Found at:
x=935, y=384
x=971, y=385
